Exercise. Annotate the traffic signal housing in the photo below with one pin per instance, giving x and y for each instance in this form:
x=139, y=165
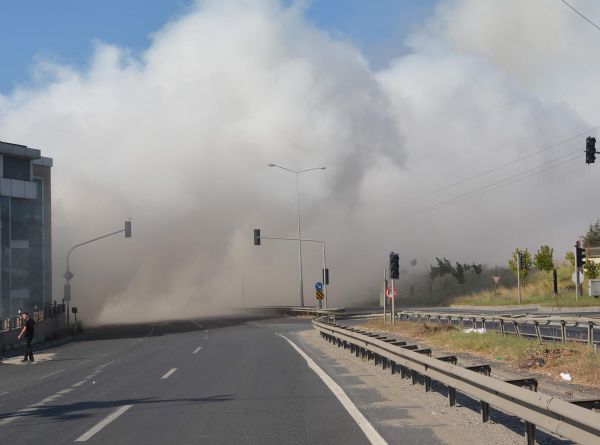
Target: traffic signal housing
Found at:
x=580, y=255
x=521, y=260
x=128, y=228
x=590, y=150
x=394, y=266
x=257, y=237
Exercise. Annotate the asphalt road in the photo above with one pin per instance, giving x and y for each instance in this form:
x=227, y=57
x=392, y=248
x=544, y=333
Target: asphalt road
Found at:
x=188, y=382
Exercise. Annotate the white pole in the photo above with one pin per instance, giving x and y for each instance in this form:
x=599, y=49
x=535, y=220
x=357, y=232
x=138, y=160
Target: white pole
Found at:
x=325, y=275
x=299, y=242
x=519, y=275
x=393, y=314
x=384, y=295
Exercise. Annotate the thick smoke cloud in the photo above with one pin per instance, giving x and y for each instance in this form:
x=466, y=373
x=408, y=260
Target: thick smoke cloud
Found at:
x=178, y=138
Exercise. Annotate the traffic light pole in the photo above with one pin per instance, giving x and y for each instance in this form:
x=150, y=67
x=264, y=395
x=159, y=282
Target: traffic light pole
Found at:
x=519, y=274
x=308, y=241
x=393, y=314
x=385, y=285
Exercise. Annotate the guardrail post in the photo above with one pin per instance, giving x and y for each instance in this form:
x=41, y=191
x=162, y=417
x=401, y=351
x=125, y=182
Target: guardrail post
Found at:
x=452, y=396
x=530, y=433
x=483, y=323
x=590, y=336
x=460, y=323
x=563, y=331
x=517, y=328
x=502, y=328
x=474, y=321
x=537, y=331
x=485, y=411
x=449, y=317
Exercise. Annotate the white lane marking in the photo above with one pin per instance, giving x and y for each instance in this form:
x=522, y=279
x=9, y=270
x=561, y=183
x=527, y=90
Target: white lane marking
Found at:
x=65, y=391
x=198, y=324
x=100, y=425
x=51, y=374
x=195, y=352
x=75, y=385
x=168, y=374
x=84, y=362
x=3, y=393
x=371, y=433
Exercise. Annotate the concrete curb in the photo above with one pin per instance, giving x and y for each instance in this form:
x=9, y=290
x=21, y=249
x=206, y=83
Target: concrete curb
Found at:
x=540, y=309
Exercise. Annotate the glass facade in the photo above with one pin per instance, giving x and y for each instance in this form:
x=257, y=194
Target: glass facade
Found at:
x=16, y=168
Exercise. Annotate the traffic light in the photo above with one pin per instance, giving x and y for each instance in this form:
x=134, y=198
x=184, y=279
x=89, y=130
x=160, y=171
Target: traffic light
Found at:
x=325, y=276
x=394, y=265
x=257, y=237
x=128, y=229
x=590, y=150
x=521, y=260
x=579, y=255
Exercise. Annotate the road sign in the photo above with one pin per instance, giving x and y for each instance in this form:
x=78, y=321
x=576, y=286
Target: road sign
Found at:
x=318, y=285
x=496, y=279
x=574, y=277
x=388, y=293
x=68, y=275
x=319, y=295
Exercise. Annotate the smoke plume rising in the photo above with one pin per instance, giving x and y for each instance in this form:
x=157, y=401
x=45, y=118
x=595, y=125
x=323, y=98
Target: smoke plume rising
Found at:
x=179, y=137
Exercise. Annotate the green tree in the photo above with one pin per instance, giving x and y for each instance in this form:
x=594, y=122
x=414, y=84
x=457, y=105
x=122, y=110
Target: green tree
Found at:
x=543, y=259
x=592, y=238
x=570, y=257
x=591, y=270
x=513, y=263
x=459, y=273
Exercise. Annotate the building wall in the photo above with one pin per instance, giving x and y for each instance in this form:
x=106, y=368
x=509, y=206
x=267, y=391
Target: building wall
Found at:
x=44, y=173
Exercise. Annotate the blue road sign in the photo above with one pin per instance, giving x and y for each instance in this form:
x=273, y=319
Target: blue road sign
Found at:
x=318, y=285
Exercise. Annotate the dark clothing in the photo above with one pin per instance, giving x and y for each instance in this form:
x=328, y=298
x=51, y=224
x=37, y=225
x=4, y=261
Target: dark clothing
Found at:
x=30, y=328
x=29, y=333
x=28, y=349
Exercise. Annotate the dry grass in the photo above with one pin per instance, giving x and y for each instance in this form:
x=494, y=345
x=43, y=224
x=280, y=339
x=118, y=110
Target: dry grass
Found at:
x=548, y=359
x=538, y=289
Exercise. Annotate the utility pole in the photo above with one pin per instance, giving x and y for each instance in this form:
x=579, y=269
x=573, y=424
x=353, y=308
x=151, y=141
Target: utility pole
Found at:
x=385, y=285
x=519, y=261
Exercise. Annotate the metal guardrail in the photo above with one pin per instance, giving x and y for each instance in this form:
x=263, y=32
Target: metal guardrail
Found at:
x=557, y=416
x=516, y=321
x=49, y=311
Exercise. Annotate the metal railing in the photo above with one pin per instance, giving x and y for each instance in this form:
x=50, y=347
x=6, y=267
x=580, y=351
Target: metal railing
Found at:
x=560, y=417
x=516, y=324
x=49, y=311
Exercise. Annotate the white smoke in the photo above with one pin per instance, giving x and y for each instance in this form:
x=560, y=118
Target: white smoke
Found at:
x=179, y=138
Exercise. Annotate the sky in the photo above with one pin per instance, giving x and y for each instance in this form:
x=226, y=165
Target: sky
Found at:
x=65, y=30
x=453, y=129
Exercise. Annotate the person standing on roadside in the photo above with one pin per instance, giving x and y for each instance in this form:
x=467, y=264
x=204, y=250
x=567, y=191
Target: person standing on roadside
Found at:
x=27, y=332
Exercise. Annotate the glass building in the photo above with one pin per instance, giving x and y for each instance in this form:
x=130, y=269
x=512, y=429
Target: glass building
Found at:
x=25, y=229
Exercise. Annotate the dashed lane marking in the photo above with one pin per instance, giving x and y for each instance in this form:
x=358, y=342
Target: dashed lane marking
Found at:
x=51, y=374
x=100, y=425
x=372, y=435
x=195, y=351
x=168, y=374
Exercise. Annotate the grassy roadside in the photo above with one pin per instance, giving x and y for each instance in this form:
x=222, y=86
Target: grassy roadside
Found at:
x=538, y=289
x=548, y=359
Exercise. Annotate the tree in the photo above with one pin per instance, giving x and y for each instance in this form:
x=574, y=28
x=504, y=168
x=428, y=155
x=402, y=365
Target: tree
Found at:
x=413, y=263
x=543, y=259
x=477, y=268
x=570, y=257
x=444, y=268
x=459, y=273
x=591, y=270
x=593, y=236
x=513, y=263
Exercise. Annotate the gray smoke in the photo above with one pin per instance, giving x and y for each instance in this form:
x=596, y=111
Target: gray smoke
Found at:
x=179, y=137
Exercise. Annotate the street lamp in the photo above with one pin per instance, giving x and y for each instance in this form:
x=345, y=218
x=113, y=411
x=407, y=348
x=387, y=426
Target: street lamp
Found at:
x=298, y=173
x=68, y=275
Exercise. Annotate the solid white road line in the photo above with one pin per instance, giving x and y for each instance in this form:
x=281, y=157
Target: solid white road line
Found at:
x=371, y=433
x=169, y=372
x=198, y=324
x=52, y=373
x=197, y=350
x=84, y=437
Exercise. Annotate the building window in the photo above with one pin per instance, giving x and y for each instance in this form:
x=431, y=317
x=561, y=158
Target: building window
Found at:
x=16, y=168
